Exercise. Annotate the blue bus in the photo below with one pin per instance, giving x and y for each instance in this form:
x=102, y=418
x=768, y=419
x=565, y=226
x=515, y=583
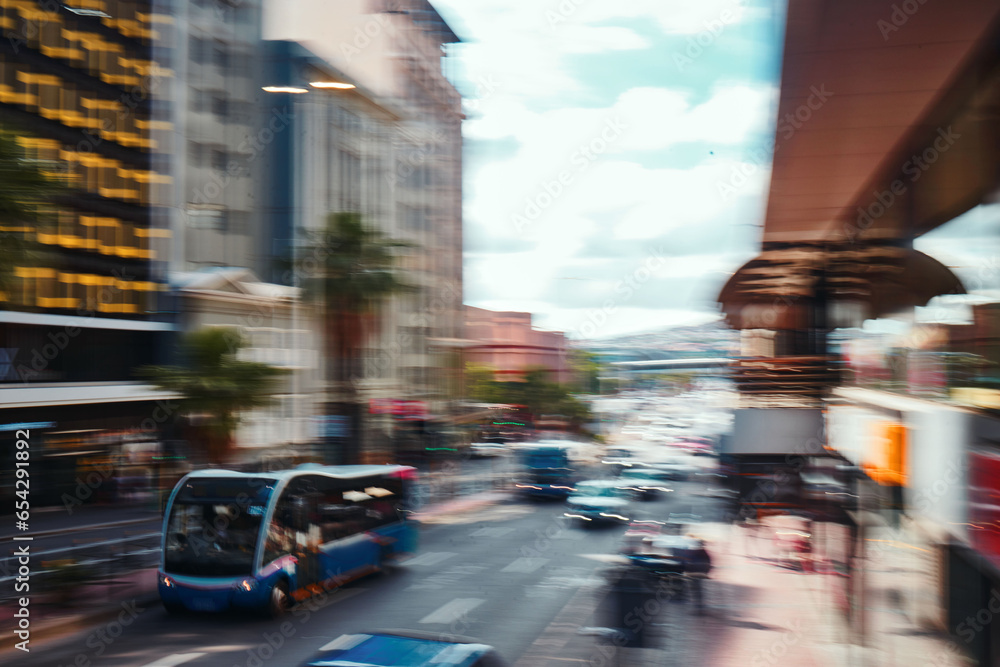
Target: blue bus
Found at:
x=546, y=471
x=234, y=540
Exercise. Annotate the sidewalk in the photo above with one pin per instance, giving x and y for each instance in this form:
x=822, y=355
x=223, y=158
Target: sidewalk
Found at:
x=758, y=613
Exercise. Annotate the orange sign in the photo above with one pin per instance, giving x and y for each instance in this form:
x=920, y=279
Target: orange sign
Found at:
x=886, y=457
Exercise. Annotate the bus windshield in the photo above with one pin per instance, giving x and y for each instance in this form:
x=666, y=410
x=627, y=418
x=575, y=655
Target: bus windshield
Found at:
x=213, y=526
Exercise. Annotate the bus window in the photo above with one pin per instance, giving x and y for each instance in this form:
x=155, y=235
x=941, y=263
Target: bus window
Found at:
x=211, y=539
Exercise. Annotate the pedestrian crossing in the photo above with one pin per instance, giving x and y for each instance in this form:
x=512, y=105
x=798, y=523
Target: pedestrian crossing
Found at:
x=452, y=611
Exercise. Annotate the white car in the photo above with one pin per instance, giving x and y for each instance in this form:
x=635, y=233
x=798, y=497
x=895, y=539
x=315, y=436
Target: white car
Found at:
x=487, y=449
x=600, y=501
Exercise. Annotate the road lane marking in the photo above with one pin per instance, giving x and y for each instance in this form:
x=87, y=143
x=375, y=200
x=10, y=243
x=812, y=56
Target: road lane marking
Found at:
x=452, y=611
x=431, y=558
x=491, y=532
x=175, y=659
x=445, y=578
x=525, y=565
x=616, y=559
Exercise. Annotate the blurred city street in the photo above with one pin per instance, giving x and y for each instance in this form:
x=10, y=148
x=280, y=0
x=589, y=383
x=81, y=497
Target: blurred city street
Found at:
x=498, y=333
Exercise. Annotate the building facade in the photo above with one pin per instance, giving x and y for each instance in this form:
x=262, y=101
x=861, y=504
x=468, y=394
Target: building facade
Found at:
x=507, y=342
x=391, y=150
x=217, y=61
x=81, y=92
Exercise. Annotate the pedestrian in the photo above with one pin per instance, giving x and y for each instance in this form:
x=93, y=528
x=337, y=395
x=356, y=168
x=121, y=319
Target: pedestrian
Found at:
x=698, y=568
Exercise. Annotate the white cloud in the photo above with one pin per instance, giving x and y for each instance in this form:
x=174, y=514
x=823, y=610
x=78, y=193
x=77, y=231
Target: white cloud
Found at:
x=579, y=194
x=674, y=17
x=590, y=39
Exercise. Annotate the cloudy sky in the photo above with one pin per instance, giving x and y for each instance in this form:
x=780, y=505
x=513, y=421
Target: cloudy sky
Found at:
x=599, y=135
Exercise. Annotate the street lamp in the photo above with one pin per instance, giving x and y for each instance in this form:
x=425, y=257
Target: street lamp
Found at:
x=285, y=89
x=337, y=85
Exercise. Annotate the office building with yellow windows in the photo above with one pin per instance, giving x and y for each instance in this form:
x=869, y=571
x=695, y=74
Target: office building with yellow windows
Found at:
x=80, y=89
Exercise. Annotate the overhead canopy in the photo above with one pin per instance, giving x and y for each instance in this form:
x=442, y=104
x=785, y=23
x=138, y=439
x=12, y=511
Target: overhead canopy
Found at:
x=779, y=288
x=866, y=86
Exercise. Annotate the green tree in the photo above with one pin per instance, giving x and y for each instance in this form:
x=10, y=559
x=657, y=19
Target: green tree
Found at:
x=534, y=390
x=586, y=371
x=350, y=271
x=481, y=386
x=213, y=382
x=26, y=196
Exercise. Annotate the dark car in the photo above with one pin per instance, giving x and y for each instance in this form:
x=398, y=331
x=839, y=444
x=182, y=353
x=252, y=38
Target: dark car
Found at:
x=402, y=648
x=672, y=555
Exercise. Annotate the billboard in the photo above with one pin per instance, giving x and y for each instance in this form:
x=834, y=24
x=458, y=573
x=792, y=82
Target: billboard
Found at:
x=796, y=431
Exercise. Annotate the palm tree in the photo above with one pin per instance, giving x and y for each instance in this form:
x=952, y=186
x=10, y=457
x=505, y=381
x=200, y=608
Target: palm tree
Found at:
x=25, y=191
x=350, y=270
x=215, y=383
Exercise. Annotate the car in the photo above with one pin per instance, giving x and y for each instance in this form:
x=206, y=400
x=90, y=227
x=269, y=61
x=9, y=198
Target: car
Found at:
x=598, y=501
x=481, y=450
x=641, y=485
x=402, y=648
x=639, y=529
x=679, y=471
x=665, y=471
x=697, y=446
x=672, y=555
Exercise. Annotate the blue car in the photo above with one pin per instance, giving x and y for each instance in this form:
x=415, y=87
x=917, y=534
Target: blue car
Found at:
x=405, y=649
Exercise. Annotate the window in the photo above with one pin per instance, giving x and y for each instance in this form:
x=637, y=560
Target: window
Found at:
x=207, y=218
x=220, y=55
x=220, y=106
x=220, y=160
x=199, y=100
x=350, y=181
x=196, y=153
x=197, y=49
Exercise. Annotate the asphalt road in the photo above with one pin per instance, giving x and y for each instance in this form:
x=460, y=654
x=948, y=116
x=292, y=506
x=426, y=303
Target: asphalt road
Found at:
x=507, y=574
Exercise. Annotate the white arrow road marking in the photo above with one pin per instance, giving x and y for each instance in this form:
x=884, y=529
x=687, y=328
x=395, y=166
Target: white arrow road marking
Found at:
x=175, y=659
x=452, y=611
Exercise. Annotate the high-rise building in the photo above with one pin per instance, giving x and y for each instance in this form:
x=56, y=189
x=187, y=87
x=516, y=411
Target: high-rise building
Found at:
x=217, y=62
x=80, y=89
x=405, y=177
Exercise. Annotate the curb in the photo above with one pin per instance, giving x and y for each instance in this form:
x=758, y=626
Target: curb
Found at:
x=464, y=504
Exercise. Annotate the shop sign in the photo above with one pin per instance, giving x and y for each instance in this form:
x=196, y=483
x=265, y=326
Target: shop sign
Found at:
x=885, y=462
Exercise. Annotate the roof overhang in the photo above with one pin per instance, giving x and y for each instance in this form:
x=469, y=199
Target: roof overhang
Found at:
x=784, y=288
x=867, y=88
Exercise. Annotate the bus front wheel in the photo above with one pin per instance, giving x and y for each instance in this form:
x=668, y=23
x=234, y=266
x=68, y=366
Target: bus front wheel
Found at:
x=279, y=601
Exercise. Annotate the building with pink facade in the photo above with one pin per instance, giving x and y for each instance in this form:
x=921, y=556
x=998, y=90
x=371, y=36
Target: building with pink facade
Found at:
x=507, y=342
